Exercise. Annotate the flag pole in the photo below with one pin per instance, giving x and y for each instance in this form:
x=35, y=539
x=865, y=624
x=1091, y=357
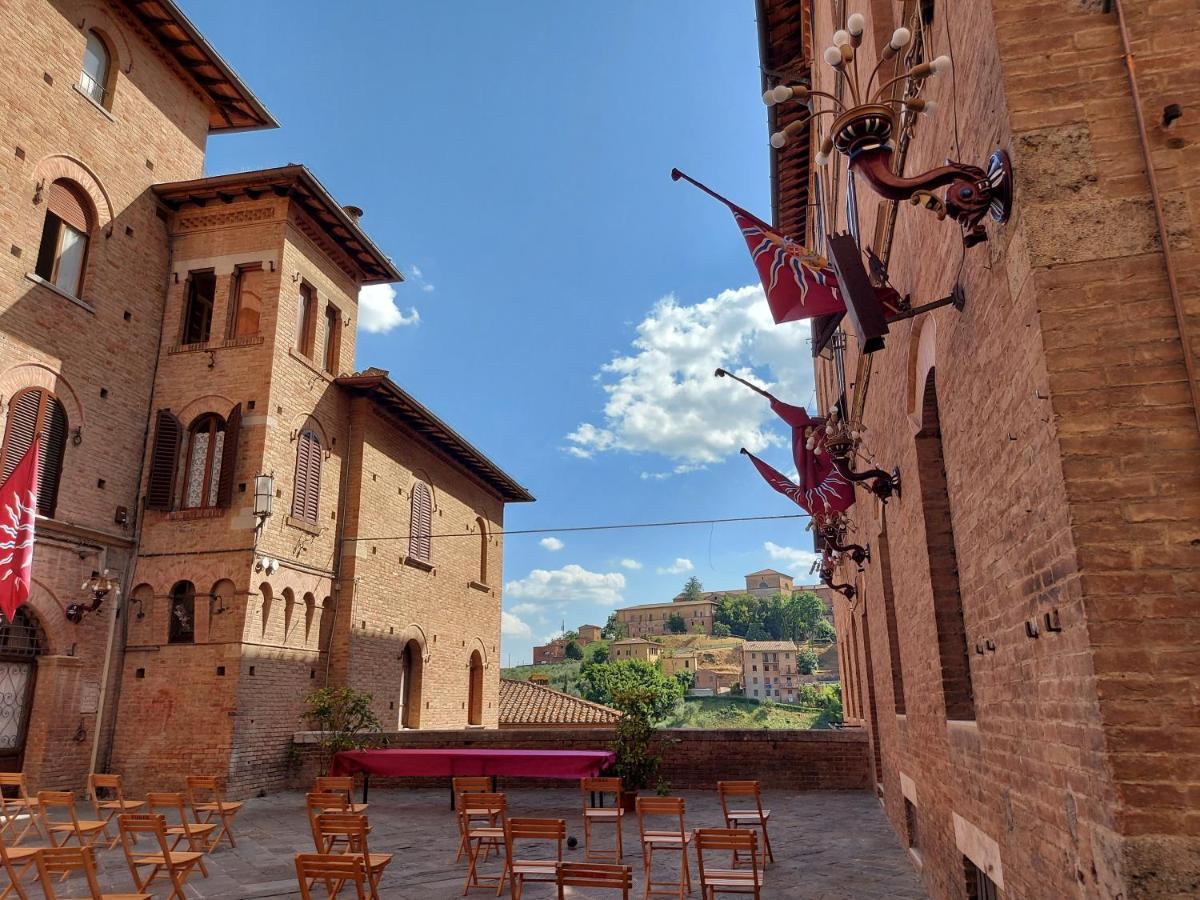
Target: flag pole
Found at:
x=676, y=175
x=722, y=373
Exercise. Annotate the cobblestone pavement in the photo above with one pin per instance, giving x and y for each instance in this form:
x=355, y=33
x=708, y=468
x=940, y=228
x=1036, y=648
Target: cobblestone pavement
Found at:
x=828, y=846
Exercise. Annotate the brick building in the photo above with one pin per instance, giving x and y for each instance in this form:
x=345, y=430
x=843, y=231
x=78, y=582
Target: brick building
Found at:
x=769, y=670
x=556, y=650
x=636, y=648
x=173, y=337
x=1022, y=647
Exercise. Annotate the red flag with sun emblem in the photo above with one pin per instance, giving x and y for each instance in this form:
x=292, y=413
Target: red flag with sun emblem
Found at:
x=18, y=507
x=799, y=283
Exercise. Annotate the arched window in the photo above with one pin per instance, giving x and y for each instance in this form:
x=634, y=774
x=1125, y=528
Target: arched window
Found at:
x=421, y=523
x=483, y=550
x=182, y=627
x=411, y=670
x=31, y=411
x=306, y=495
x=97, y=65
x=206, y=443
x=63, y=249
x=475, y=690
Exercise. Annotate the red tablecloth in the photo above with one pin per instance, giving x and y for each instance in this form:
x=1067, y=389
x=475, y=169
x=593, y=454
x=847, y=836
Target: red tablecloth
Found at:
x=466, y=762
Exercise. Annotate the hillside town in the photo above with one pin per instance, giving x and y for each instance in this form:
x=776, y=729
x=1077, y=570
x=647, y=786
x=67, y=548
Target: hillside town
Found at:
x=270, y=621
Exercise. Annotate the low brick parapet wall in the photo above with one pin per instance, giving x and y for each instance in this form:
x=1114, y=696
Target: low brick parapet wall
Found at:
x=693, y=759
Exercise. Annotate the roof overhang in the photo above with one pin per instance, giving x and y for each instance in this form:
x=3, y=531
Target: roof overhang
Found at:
x=298, y=183
x=389, y=396
x=785, y=56
x=234, y=106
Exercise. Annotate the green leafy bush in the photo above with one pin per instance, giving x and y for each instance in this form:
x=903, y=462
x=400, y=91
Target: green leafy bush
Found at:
x=345, y=719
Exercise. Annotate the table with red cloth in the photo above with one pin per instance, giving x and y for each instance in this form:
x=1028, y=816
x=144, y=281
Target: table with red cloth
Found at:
x=463, y=762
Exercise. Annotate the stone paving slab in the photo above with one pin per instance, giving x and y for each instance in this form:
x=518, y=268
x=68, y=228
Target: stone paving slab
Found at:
x=828, y=846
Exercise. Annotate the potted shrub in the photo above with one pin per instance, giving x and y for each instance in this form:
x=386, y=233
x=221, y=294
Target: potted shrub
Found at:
x=636, y=765
x=345, y=720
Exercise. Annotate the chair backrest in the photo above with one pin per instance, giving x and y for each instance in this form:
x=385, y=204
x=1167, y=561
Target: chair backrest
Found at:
x=600, y=875
x=490, y=803
x=199, y=786
x=524, y=829
x=323, y=801
x=659, y=806
x=167, y=800
x=352, y=827
x=729, y=840
x=333, y=784
x=63, y=861
x=105, y=782
x=131, y=825
x=62, y=800
x=474, y=784
x=599, y=786
x=727, y=789
x=334, y=868
x=13, y=780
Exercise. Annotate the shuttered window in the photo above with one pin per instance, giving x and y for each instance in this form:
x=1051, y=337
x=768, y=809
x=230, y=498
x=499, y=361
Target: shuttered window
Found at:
x=63, y=249
x=164, y=459
x=211, y=460
x=31, y=411
x=306, y=496
x=198, y=308
x=421, y=524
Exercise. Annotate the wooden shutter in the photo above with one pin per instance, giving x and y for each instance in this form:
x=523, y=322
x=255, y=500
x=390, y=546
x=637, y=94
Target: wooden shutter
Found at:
x=233, y=428
x=306, y=497
x=20, y=428
x=420, y=526
x=66, y=203
x=54, y=445
x=164, y=460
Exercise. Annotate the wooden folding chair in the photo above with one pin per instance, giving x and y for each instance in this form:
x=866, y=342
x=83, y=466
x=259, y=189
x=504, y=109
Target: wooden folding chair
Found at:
x=601, y=814
x=209, y=807
x=335, y=870
x=64, y=861
x=522, y=869
x=17, y=861
x=319, y=803
x=479, y=836
x=594, y=875
x=339, y=784
x=16, y=805
x=176, y=864
x=746, y=814
x=667, y=835
x=108, y=808
x=472, y=785
x=85, y=831
x=731, y=879
x=352, y=829
x=197, y=834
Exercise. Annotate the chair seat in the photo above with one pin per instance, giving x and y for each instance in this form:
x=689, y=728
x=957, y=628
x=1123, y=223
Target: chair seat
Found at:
x=225, y=806
x=596, y=813
x=668, y=838
x=176, y=857
x=122, y=805
x=126, y=897
x=534, y=867
x=377, y=860
x=191, y=828
x=16, y=854
x=728, y=877
x=486, y=832
x=84, y=825
x=749, y=815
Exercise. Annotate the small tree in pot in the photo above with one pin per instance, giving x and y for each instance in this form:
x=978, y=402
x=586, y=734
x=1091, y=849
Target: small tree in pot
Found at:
x=345, y=720
x=636, y=765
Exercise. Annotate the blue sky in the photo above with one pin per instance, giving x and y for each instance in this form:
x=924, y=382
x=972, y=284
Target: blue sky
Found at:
x=566, y=302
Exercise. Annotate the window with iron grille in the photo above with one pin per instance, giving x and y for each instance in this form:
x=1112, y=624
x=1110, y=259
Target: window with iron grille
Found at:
x=910, y=824
x=181, y=628
x=979, y=885
x=96, y=71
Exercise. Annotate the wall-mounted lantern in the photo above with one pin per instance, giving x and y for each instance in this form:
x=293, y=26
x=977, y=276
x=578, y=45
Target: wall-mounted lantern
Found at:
x=95, y=589
x=264, y=496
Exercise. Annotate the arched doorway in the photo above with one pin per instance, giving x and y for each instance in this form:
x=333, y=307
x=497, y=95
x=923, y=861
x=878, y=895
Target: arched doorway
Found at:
x=475, y=691
x=21, y=643
x=411, y=664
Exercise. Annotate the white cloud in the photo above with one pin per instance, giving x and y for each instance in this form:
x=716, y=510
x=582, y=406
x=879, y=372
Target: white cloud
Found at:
x=797, y=560
x=524, y=609
x=417, y=273
x=555, y=588
x=631, y=564
x=512, y=626
x=552, y=543
x=678, y=567
x=663, y=398
x=378, y=312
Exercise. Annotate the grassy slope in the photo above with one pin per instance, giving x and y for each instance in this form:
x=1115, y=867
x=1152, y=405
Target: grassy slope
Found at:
x=731, y=712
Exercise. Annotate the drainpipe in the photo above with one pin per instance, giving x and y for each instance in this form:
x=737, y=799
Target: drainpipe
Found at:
x=1159, y=217
x=340, y=542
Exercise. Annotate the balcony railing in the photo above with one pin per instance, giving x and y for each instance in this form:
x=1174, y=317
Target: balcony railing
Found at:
x=92, y=87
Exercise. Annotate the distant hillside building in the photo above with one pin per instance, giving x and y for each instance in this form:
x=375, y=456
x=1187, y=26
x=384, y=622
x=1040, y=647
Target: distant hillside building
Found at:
x=635, y=648
x=556, y=650
x=769, y=670
x=680, y=661
x=588, y=634
x=698, y=615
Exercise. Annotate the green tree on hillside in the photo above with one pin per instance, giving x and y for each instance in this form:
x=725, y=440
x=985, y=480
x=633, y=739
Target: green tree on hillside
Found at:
x=614, y=629
x=808, y=612
x=606, y=682
x=572, y=650
x=807, y=661
x=676, y=624
x=693, y=589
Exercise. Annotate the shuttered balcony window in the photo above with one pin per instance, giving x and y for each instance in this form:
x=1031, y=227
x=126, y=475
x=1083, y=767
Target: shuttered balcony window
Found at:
x=421, y=523
x=31, y=411
x=306, y=496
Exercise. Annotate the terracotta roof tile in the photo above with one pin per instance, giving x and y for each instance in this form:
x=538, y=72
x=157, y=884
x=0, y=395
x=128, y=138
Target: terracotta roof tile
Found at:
x=525, y=703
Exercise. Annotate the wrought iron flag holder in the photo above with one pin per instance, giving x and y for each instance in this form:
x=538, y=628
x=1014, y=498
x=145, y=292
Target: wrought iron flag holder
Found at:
x=862, y=132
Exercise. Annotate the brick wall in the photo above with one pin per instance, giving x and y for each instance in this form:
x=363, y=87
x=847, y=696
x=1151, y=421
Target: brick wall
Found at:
x=692, y=759
x=1069, y=448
